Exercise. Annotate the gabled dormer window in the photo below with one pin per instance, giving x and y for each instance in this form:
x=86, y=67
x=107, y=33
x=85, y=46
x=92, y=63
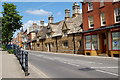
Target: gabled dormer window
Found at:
x=90, y=6
x=64, y=33
x=48, y=35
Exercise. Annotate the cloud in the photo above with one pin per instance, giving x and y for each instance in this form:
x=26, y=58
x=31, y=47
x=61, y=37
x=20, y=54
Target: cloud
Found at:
x=27, y=25
x=80, y=10
x=59, y=13
x=39, y=12
x=30, y=22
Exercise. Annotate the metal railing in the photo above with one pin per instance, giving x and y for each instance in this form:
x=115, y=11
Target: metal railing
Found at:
x=22, y=56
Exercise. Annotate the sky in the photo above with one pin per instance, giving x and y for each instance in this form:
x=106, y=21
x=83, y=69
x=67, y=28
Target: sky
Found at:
x=36, y=11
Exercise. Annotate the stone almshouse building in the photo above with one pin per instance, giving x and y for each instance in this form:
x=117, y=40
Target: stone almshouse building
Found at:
x=64, y=36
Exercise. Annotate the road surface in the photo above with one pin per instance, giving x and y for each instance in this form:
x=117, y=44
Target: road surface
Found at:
x=55, y=65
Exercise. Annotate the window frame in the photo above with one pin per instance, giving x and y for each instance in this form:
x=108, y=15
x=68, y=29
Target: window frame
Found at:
x=90, y=6
x=91, y=42
x=101, y=17
x=52, y=44
x=65, y=45
x=38, y=45
x=65, y=35
x=49, y=35
x=89, y=21
x=102, y=3
x=112, y=40
x=115, y=14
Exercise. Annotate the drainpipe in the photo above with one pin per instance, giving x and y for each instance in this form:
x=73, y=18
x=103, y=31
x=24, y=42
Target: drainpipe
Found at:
x=56, y=45
x=42, y=45
x=74, y=42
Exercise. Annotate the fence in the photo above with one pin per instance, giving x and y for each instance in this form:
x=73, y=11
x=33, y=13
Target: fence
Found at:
x=22, y=56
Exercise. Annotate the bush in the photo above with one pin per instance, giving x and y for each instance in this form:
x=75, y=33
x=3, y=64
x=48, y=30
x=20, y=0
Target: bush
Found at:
x=4, y=47
x=11, y=51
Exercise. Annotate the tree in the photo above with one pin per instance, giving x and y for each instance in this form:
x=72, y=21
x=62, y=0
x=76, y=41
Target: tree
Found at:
x=0, y=31
x=11, y=21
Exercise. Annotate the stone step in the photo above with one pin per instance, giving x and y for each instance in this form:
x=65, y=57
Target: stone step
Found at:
x=103, y=54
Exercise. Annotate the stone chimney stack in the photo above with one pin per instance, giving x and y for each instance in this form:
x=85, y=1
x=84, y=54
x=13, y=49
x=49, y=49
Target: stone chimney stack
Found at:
x=76, y=9
x=42, y=22
x=50, y=19
x=67, y=13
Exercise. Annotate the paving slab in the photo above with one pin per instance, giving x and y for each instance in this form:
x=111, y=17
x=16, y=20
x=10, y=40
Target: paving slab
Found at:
x=11, y=68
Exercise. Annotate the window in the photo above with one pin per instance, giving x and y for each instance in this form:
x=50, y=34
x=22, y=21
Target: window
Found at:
x=116, y=40
x=52, y=44
x=90, y=6
x=116, y=0
x=65, y=44
x=45, y=44
x=80, y=43
x=38, y=45
x=64, y=33
x=88, y=42
x=48, y=35
x=102, y=3
x=91, y=22
x=117, y=14
x=91, y=42
x=103, y=21
x=94, y=42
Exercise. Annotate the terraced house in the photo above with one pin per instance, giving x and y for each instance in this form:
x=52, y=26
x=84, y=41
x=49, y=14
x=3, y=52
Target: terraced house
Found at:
x=101, y=25
x=31, y=35
x=64, y=36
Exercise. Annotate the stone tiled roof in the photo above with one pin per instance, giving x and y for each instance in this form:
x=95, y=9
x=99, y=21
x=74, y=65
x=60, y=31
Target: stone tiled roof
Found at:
x=42, y=33
x=34, y=27
x=73, y=24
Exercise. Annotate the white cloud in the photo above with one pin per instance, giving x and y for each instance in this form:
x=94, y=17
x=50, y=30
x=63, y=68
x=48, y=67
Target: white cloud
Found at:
x=39, y=12
x=30, y=22
x=59, y=13
x=80, y=10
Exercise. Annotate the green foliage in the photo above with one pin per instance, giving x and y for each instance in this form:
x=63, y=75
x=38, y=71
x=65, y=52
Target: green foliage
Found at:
x=4, y=48
x=11, y=51
x=11, y=21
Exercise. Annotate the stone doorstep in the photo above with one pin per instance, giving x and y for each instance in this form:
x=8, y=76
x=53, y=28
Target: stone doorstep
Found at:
x=103, y=54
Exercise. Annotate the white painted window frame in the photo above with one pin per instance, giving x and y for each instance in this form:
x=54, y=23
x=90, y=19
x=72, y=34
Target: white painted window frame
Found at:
x=89, y=21
x=102, y=19
x=115, y=15
x=89, y=9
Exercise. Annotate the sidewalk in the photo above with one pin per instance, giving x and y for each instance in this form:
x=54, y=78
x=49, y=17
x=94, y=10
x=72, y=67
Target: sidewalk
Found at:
x=12, y=69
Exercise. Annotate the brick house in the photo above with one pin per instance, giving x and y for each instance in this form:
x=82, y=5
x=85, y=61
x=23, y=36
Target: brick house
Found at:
x=101, y=25
x=64, y=36
x=40, y=37
x=19, y=39
x=25, y=39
